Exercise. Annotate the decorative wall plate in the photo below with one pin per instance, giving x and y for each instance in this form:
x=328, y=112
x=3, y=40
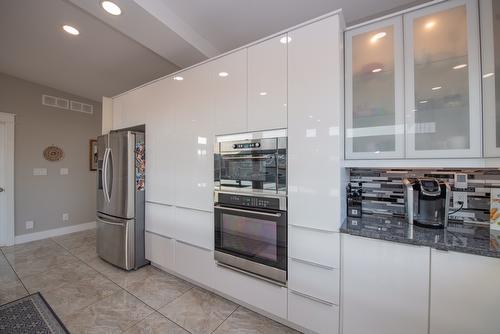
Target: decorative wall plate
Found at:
x=53, y=153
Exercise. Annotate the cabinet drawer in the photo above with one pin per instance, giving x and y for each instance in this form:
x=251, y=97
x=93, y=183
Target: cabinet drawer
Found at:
x=320, y=317
x=194, y=263
x=195, y=227
x=159, y=250
x=326, y=250
x=256, y=292
x=160, y=219
x=315, y=281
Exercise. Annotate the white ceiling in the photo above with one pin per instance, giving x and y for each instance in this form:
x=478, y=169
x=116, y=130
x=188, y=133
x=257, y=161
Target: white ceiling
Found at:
x=150, y=39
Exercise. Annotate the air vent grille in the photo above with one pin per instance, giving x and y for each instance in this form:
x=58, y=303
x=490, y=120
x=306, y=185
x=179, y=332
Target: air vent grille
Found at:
x=53, y=101
x=59, y=102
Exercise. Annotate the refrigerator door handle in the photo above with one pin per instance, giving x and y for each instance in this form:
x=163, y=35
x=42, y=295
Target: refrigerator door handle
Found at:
x=105, y=175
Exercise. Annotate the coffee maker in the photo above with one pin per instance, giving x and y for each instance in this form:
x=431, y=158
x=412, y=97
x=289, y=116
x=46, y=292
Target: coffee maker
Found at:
x=427, y=202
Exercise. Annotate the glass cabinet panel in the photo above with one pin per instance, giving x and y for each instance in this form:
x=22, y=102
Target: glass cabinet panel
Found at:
x=442, y=81
x=490, y=44
x=374, y=93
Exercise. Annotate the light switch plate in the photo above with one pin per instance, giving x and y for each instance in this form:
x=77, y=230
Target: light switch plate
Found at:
x=29, y=225
x=64, y=171
x=65, y=217
x=39, y=171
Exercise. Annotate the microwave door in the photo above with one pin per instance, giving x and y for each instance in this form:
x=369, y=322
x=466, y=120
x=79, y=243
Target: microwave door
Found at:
x=102, y=150
x=120, y=168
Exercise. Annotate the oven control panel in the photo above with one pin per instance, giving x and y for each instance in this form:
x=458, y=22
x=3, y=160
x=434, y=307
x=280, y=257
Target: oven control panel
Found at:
x=250, y=201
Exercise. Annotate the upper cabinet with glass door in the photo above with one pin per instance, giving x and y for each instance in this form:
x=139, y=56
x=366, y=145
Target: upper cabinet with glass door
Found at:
x=374, y=91
x=490, y=43
x=442, y=82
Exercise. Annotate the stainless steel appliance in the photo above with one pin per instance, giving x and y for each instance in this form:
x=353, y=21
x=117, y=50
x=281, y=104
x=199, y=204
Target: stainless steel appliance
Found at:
x=120, y=198
x=253, y=162
x=250, y=209
x=427, y=202
x=251, y=234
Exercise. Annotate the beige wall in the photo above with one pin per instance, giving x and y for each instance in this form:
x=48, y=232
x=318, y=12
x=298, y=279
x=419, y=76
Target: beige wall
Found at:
x=43, y=199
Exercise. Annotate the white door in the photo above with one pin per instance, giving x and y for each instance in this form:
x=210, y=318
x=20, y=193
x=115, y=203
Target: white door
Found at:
x=6, y=179
x=443, y=86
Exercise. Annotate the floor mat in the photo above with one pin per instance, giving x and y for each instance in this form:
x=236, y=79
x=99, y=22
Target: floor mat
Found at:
x=30, y=314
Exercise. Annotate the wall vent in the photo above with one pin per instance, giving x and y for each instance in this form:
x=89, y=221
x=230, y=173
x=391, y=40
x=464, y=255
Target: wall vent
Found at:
x=81, y=107
x=53, y=101
x=58, y=102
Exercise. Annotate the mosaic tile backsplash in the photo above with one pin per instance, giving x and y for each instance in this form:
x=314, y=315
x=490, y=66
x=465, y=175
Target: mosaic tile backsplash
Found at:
x=383, y=191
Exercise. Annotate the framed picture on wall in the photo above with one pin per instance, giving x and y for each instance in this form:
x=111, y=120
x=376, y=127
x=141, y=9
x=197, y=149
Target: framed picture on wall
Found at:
x=93, y=155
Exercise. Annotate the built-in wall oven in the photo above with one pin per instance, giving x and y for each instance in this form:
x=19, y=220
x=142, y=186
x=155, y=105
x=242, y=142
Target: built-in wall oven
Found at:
x=250, y=204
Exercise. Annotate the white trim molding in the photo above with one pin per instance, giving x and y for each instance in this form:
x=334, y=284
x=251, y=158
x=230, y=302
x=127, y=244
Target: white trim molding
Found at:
x=7, y=226
x=23, y=238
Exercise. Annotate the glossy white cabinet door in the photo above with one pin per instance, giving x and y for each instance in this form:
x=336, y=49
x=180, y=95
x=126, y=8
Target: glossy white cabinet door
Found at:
x=160, y=250
x=490, y=47
x=443, y=87
x=315, y=136
x=230, y=93
x=385, y=287
x=161, y=220
x=194, y=137
x=195, y=263
x=267, y=82
x=465, y=294
x=374, y=80
x=315, y=315
x=161, y=144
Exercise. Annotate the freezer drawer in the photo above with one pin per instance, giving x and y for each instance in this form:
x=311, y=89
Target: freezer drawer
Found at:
x=115, y=241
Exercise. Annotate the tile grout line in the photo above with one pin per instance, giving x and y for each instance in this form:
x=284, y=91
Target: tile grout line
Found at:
x=14, y=271
x=237, y=307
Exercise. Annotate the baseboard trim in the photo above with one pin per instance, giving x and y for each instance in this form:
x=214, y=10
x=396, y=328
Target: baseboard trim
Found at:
x=23, y=238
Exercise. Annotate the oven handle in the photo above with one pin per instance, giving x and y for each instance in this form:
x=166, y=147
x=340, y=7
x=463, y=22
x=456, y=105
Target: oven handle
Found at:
x=277, y=215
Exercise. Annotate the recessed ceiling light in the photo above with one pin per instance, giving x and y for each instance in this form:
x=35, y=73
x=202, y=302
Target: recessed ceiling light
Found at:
x=263, y=93
x=223, y=74
x=378, y=36
x=376, y=70
x=111, y=7
x=71, y=30
x=178, y=78
x=423, y=102
x=459, y=66
x=437, y=88
x=487, y=75
x=429, y=25
x=285, y=40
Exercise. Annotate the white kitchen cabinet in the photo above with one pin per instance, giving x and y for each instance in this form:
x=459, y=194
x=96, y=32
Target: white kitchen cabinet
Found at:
x=160, y=219
x=266, y=296
x=194, y=138
x=385, y=287
x=195, y=227
x=229, y=75
x=159, y=250
x=490, y=47
x=195, y=263
x=443, y=87
x=465, y=294
x=161, y=145
x=315, y=124
x=374, y=85
x=267, y=84
x=326, y=250
x=312, y=314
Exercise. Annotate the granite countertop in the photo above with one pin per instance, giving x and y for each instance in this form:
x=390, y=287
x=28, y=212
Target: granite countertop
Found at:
x=459, y=237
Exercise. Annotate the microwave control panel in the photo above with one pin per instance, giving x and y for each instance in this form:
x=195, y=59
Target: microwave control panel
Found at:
x=250, y=201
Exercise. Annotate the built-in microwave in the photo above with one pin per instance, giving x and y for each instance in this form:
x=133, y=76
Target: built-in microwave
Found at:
x=252, y=162
x=251, y=234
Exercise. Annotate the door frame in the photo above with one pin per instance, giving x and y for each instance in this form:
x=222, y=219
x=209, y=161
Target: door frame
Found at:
x=7, y=224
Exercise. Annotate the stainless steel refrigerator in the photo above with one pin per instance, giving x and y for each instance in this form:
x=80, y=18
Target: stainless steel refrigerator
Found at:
x=120, y=198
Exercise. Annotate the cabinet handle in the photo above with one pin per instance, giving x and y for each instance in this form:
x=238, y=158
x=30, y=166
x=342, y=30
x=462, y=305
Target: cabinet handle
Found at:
x=322, y=266
x=314, y=299
x=277, y=215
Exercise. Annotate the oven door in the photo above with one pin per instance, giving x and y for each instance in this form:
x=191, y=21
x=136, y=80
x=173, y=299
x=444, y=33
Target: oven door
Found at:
x=253, y=241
